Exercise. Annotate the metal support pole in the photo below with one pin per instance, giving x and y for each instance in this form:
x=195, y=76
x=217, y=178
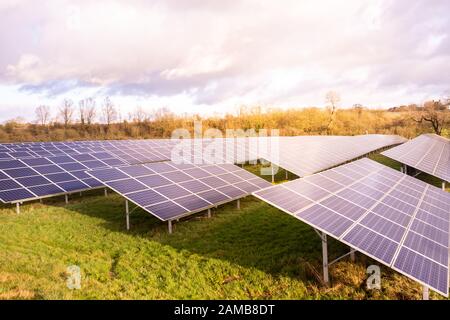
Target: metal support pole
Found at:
x=443, y=185
x=40, y=200
x=287, y=175
x=170, y=226
x=401, y=169
x=127, y=214
x=273, y=176
x=238, y=204
x=66, y=198
x=325, y=258
x=106, y=192
x=425, y=293
x=352, y=255
x=18, y=208
x=405, y=169
x=209, y=213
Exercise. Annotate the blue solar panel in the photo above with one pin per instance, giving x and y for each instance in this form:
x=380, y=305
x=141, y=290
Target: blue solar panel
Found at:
x=33, y=181
x=126, y=186
x=109, y=174
x=9, y=184
x=172, y=191
x=195, y=186
x=21, y=172
x=371, y=243
x=60, y=177
x=71, y=186
x=325, y=219
x=73, y=166
x=192, y=203
x=46, y=190
x=146, y=197
x=48, y=169
x=213, y=196
x=166, y=210
x=15, y=195
x=177, y=176
x=154, y=181
x=11, y=164
x=380, y=214
x=427, y=271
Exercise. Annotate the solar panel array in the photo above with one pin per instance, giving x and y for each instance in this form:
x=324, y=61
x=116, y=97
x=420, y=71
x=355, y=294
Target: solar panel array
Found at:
x=129, y=151
x=41, y=169
x=428, y=153
x=394, y=218
x=306, y=155
x=170, y=191
x=33, y=178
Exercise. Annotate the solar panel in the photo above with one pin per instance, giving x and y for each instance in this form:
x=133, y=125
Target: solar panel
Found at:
x=429, y=153
x=386, y=221
x=311, y=154
x=169, y=191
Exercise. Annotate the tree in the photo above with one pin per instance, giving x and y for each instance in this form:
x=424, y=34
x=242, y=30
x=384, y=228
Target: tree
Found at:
x=434, y=112
x=332, y=98
x=66, y=112
x=86, y=110
x=109, y=112
x=139, y=116
x=43, y=114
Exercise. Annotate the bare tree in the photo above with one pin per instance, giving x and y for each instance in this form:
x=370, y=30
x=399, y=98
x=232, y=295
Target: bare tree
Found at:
x=435, y=112
x=86, y=111
x=139, y=116
x=332, y=98
x=109, y=112
x=66, y=112
x=43, y=115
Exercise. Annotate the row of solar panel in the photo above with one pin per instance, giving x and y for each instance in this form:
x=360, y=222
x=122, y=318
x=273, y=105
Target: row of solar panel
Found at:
x=427, y=153
x=390, y=217
x=33, y=178
x=308, y=155
x=169, y=191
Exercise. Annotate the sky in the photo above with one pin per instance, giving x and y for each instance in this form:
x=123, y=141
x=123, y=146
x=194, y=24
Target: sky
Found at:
x=210, y=57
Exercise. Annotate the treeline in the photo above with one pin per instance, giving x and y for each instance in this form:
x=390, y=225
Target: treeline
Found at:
x=161, y=123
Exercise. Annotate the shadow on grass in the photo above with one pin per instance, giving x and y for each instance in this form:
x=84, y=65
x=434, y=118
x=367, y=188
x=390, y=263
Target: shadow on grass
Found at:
x=257, y=236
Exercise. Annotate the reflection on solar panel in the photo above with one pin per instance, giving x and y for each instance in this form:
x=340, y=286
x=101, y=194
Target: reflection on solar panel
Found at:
x=391, y=217
x=311, y=154
x=169, y=191
x=429, y=153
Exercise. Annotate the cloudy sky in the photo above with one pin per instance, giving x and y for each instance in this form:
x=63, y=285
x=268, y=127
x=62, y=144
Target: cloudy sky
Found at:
x=207, y=57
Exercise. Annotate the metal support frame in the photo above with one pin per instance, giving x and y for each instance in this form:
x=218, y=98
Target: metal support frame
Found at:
x=352, y=255
x=106, y=192
x=425, y=293
x=170, y=226
x=127, y=214
x=443, y=185
x=66, y=198
x=209, y=212
x=238, y=204
x=326, y=279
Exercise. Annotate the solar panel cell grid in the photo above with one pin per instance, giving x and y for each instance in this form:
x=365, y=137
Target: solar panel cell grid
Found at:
x=395, y=219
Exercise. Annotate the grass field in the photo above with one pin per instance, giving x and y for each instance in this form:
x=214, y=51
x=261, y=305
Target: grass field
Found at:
x=257, y=252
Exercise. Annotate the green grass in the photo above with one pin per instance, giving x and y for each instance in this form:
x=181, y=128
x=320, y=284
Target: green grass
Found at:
x=257, y=252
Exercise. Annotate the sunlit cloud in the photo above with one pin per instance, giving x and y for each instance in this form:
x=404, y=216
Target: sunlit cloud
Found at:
x=202, y=57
